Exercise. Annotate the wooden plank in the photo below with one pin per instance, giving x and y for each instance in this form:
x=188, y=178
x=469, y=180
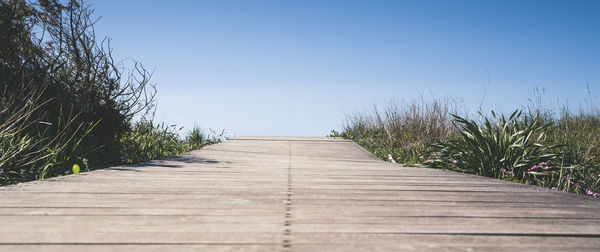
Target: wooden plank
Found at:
x=291, y=194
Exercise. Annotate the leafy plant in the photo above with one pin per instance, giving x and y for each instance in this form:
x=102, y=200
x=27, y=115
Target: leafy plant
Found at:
x=502, y=147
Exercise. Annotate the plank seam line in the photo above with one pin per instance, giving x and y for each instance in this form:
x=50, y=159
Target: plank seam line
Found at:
x=287, y=230
x=571, y=235
x=129, y=243
x=354, y=216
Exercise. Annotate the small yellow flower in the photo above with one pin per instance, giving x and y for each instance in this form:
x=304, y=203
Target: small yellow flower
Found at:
x=75, y=169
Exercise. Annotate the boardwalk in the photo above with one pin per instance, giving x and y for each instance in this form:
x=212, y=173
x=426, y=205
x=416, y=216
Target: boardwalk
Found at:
x=290, y=194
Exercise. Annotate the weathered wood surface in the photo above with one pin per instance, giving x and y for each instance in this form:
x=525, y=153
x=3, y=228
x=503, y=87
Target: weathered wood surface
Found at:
x=290, y=194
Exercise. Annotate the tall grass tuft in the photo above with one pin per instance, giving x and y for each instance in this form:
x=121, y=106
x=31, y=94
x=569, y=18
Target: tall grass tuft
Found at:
x=402, y=133
x=148, y=140
x=31, y=148
x=197, y=137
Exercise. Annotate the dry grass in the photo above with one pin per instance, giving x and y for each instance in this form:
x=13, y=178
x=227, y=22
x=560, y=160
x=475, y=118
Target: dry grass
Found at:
x=415, y=132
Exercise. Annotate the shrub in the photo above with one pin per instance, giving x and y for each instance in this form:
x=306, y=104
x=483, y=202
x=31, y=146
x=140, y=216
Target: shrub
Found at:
x=53, y=45
x=502, y=147
x=64, y=100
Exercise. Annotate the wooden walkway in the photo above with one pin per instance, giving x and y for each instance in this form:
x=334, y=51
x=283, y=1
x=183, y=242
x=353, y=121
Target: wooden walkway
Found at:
x=290, y=194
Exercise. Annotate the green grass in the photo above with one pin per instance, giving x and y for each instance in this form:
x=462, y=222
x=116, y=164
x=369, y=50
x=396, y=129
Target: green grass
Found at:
x=545, y=146
x=66, y=104
x=28, y=156
x=31, y=148
x=148, y=140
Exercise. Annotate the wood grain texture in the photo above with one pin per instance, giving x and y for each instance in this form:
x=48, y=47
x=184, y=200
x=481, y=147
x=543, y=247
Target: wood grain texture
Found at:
x=290, y=194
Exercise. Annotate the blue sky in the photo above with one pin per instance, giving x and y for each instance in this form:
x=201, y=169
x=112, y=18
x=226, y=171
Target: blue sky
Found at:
x=297, y=67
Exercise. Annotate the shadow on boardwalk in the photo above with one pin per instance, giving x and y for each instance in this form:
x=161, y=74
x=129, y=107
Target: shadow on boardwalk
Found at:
x=179, y=161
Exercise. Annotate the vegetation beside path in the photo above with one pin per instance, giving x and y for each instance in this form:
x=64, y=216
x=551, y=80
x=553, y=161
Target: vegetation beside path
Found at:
x=66, y=105
x=556, y=147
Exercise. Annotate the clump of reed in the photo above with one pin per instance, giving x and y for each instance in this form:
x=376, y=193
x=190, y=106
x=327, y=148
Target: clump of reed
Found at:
x=402, y=132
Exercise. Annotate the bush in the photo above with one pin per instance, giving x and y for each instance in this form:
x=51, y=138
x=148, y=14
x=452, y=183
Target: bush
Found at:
x=64, y=100
x=501, y=148
x=51, y=47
